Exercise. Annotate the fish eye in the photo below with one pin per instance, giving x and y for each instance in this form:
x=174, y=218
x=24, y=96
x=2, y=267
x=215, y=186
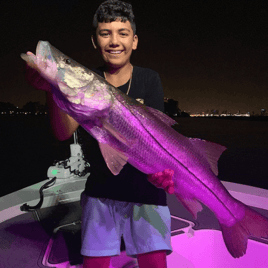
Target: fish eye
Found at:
x=67, y=61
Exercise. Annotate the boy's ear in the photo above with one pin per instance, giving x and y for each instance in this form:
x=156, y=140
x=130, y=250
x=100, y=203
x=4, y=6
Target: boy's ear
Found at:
x=93, y=41
x=135, y=42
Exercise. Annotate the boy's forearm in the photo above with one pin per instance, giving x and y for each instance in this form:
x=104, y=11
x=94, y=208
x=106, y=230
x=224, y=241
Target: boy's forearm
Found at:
x=63, y=126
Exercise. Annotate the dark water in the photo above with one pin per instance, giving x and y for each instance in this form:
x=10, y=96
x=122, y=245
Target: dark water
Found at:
x=246, y=158
x=28, y=148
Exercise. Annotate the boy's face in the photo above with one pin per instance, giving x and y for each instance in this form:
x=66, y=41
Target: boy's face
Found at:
x=115, y=41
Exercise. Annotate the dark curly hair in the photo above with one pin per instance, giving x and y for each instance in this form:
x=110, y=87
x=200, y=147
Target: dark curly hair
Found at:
x=111, y=10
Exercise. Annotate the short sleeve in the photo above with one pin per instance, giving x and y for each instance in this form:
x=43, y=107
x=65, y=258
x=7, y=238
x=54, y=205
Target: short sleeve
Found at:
x=154, y=96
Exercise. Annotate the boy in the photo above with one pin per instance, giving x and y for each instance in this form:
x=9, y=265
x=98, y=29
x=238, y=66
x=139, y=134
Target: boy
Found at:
x=119, y=195
x=125, y=206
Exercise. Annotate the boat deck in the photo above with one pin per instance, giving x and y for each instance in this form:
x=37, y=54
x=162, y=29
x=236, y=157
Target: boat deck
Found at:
x=27, y=240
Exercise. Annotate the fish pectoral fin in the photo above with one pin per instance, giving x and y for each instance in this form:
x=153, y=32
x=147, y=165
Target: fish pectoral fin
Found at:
x=191, y=204
x=212, y=152
x=108, y=127
x=115, y=160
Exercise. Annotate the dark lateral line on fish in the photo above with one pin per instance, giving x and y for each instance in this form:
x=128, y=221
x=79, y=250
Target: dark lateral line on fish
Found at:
x=177, y=160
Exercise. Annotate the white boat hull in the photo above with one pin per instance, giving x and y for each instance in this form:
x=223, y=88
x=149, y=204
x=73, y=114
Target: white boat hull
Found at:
x=27, y=238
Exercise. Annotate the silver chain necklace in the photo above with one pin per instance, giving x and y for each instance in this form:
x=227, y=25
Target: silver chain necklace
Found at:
x=129, y=81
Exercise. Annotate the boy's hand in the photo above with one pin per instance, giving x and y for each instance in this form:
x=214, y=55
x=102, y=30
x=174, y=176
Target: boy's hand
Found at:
x=33, y=76
x=163, y=180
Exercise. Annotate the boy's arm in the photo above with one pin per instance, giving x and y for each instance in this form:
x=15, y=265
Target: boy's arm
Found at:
x=63, y=125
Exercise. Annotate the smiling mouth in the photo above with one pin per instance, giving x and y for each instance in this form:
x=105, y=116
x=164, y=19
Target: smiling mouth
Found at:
x=116, y=52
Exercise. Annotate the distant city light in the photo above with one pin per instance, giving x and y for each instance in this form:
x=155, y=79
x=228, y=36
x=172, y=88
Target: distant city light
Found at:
x=218, y=115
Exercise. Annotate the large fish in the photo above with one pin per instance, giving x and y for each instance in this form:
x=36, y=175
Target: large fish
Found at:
x=128, y=131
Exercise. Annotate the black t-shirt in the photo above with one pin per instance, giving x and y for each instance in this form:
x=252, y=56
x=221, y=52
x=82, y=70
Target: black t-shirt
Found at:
x=130, y=185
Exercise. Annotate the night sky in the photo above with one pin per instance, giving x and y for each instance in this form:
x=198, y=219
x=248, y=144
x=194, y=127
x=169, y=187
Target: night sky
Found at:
x=209, y=54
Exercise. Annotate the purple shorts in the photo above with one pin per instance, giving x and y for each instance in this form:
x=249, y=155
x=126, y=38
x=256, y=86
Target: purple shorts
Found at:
x=144, y=228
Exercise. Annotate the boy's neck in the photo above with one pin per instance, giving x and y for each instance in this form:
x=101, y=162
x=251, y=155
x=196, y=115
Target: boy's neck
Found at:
x=118, y=76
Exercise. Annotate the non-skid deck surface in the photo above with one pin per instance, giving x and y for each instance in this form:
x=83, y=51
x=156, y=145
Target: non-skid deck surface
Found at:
x=24, y=239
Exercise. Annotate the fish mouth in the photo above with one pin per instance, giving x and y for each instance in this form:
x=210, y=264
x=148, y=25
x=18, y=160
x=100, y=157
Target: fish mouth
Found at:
x=43, y=50
x=38, y=47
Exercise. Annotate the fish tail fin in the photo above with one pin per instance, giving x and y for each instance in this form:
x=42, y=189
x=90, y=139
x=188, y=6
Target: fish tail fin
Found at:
x=236, y=236
x=236, y=239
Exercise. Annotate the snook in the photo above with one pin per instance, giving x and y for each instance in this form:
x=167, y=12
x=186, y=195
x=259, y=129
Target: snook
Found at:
x=128, y=131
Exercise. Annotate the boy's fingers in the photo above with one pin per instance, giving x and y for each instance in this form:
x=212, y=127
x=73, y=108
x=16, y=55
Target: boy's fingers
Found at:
x=167, y=185
x=36, y=80
x=163, y=180
x=171, y=190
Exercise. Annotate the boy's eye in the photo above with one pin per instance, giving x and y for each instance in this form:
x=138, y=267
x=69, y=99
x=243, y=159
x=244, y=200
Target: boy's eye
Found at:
x=104, y=34
x=107, y=34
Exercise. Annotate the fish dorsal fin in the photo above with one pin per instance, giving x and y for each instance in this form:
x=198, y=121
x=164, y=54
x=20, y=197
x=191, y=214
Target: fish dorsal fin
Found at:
x=211, y=151
x=115, y=160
